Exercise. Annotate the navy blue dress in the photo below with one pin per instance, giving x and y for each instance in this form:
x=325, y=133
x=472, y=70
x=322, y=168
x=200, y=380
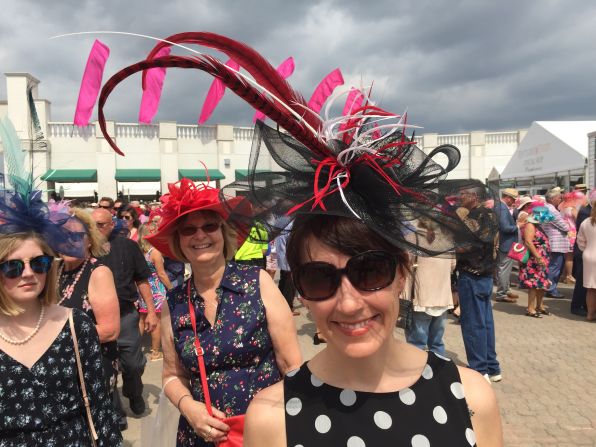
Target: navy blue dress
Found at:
x=238, y=349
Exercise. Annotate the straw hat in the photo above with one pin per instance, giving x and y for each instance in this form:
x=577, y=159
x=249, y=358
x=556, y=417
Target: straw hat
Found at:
x=523, y=201
x=511, y=192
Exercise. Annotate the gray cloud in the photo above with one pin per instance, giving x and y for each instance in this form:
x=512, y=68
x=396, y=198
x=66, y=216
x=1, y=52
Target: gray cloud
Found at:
x=456, y=66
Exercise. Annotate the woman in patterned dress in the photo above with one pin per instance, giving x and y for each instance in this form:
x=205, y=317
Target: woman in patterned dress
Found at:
x=41, y=403
x=244, y=324
x=160, y=284
x=534, y=274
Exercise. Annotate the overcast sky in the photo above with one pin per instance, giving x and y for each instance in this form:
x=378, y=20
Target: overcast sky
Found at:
x=454, y=65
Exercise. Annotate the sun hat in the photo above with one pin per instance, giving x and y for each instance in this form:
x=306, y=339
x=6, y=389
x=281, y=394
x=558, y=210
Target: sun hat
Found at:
x=523, y=201
x=572, y=199
x=185, y=197
x=511, y=192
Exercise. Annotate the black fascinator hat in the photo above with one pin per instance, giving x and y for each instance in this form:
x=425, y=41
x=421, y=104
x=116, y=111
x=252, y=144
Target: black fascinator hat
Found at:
x=361, y=165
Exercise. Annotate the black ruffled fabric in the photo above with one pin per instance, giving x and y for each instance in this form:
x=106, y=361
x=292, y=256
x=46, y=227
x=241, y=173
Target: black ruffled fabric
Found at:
x=423, y=199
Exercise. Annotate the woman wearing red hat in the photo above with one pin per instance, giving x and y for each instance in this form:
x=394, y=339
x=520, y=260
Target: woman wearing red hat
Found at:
x=242, y=321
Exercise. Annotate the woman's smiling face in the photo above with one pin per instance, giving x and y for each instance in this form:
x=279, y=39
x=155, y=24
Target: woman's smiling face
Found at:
x=354, y=322
x=201, y=246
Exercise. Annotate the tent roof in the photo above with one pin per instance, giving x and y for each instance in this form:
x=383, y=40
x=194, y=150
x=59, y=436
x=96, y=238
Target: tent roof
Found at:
x=550, y=147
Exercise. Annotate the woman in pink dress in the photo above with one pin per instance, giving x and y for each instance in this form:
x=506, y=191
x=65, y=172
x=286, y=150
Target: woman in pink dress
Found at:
x=586, y=241
x=569, y=207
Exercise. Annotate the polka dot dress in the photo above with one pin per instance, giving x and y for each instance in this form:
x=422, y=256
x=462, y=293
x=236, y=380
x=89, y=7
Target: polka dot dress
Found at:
x=431, y=412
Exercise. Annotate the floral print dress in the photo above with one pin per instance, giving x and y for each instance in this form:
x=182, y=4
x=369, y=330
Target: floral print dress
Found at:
x=158, y=290
x=533, y=275
x=43, y=405
x=239, y=355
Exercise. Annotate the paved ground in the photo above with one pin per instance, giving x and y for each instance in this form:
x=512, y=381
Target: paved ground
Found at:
x=548, y=393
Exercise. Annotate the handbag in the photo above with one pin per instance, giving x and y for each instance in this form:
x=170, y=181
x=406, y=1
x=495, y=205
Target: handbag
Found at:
x=236, y=423
x=406, y=307
x=92, y=431
x=519, y=252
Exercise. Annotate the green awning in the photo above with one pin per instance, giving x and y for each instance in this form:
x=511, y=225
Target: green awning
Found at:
x=70, y=175
x=199, y=175
x=241, y=174
x=138, y=175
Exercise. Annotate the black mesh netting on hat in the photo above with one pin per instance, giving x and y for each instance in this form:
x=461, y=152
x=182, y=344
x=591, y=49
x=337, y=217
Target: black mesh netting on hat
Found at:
x=402, y=197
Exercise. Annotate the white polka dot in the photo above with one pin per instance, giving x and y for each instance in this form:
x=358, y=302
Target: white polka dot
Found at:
x=427, y=373
x=315, y=381
x=347, y=397
x=420, y=441
x=292, y=373
x=298, y=445
x=443, y=357
x=458, y=390
x=322, y=424
x=293, y=406
x=355, y=441
x=470, y=436
x=407, y=396
x=440, y=414
x=383, y=420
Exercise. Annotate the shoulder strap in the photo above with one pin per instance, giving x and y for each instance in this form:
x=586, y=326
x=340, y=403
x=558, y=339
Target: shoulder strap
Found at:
x=199, y=351
x=81, y=379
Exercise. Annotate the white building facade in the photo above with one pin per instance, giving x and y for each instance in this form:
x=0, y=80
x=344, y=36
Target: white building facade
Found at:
x=79, y=163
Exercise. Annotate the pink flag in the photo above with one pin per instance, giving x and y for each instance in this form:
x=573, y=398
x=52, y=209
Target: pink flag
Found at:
x=324, y=89
x=152, y=92
x=285, y=69
x=354, y=101
x=91, y=83
x=215, y=93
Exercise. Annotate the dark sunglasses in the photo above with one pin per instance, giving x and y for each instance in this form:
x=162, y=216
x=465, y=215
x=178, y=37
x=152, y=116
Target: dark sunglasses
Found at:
x=127, y=217
x=368, y=271
x=14, y=268
x=105, y=207
x=207, y=228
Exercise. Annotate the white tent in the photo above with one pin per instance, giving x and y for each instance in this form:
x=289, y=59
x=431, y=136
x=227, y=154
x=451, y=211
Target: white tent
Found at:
x=551, y=148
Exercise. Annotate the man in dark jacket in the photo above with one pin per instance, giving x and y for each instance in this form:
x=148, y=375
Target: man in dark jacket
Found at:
x=475, y=284
x=131, y=274
x=508, y=235
x=578, y=300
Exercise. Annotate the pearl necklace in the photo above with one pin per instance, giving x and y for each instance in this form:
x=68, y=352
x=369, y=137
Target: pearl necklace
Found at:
x=12, y=341
x=70, y=288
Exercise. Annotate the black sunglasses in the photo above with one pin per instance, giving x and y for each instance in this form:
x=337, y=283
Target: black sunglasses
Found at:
x=207, y=228
x=14, y=268
x=368, y=271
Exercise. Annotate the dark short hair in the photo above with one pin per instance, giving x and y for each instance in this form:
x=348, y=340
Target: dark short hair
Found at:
x=347, y=236
x=109, y=200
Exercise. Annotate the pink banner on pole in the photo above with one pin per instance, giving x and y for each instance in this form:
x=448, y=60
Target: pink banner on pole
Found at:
x=285, y=70
x=153, y=87
x=354, y=102
x=215, y=93
x=91, y=83
x=324, y=90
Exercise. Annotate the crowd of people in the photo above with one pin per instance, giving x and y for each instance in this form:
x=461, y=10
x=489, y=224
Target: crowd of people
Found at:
x=359, y=217
x=555, y=229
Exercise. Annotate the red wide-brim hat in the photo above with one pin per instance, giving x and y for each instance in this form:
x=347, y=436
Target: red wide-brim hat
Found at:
x=186, y=197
